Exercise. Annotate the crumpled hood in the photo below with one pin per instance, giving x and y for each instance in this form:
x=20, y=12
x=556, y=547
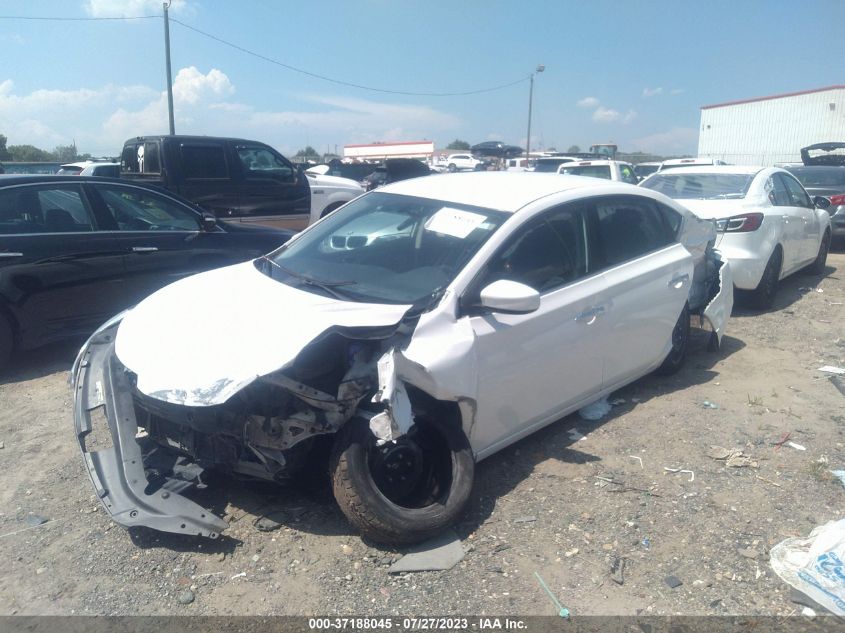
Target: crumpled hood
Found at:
x=202, y=339
x=713, y=209
x=322, y=180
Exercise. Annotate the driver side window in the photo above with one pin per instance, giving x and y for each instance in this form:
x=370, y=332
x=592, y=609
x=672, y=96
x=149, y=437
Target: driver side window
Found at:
x=548, y=253
x=137, y=210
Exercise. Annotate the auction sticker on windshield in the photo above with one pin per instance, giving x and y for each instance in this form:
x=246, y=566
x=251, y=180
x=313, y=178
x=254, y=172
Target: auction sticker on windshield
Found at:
x=454, y=222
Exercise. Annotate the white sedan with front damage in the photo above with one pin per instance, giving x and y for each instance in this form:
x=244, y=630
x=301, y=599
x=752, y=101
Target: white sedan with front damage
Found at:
x=769, y=227
x=422, y=327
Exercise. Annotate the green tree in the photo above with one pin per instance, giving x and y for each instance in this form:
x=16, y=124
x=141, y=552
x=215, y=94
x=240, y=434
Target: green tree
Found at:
x=458, y=144
x=307, y=151
x=574, y=149
x=65, y=153
x=4, y=153
x=29, y=153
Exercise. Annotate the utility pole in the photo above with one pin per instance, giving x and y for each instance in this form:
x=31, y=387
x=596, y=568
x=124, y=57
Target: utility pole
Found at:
x=540, y=68
x=167, y=62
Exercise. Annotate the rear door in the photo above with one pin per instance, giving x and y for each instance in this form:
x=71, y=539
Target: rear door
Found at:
x=648, y=275
x=808, y=222
x=59, y=275
x=207, y=177
x=272, y=190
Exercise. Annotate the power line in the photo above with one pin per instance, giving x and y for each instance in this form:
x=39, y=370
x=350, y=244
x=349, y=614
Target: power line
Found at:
x=341, y=82
x=27, y=17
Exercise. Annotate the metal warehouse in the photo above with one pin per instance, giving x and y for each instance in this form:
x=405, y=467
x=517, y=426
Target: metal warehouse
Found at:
x=771, y=130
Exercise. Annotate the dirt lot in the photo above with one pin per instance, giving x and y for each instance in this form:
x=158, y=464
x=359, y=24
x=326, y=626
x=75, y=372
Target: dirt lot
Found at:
x=544, y=505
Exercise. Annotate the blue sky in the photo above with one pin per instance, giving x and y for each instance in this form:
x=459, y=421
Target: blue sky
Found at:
x=635, y=73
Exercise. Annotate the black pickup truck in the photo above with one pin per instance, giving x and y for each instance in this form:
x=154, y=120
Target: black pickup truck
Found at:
x=236, y=179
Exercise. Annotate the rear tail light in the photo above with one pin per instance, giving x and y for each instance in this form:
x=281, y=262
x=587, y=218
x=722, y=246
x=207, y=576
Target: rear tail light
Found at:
x=740, y=223
x=836, y=201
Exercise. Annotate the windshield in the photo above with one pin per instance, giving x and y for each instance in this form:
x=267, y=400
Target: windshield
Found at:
x=593, y=171
x=385, y=248
x=700, y=186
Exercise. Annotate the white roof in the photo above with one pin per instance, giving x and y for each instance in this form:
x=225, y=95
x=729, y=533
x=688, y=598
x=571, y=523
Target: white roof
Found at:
x=505, y=191
x=713, y=169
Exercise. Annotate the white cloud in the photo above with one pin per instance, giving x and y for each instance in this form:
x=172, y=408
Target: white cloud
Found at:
x=588, y=102
x=678, y=140
x=630, y=115
x=651, y=92
x=191, y=86
x=129, y=8
x=606, y=115
x=676, y=91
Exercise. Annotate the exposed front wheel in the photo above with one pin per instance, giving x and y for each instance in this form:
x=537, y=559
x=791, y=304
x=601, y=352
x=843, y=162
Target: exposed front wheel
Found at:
x=404, y=491
x=763, y=296
x=452, y=168
x=680, y=342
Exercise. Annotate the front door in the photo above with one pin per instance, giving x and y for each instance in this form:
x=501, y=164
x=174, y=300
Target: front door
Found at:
x=533, y=366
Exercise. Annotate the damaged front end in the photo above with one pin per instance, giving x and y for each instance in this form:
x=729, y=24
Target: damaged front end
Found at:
x=143, y=452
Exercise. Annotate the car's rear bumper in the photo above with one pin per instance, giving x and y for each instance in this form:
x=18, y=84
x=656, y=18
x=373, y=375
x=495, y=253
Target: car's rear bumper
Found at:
x=104, y=412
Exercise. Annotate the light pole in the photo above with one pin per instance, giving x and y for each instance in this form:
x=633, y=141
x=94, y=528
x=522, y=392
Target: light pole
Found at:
x=166, y=5
x=540, y=68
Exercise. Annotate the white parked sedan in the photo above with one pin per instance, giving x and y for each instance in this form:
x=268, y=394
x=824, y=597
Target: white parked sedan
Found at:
x=768, y=226
x=606, y=169
x=425, y=326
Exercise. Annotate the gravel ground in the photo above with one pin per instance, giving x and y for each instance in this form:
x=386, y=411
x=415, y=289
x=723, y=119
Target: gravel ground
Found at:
x=571, y=510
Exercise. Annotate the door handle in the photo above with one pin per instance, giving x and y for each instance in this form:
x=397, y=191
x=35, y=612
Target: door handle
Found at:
x=10, y=254
x=679, y=281
x=144, y=249
x=589, y=316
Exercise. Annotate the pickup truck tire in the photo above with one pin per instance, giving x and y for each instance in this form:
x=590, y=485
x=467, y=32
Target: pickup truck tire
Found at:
x=680, y=343
x=763, y=296
x=331, y=207
x=404, y=491
x=7, y=341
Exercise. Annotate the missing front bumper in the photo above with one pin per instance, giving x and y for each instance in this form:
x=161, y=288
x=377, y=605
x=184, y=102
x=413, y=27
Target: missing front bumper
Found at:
x=115, y=460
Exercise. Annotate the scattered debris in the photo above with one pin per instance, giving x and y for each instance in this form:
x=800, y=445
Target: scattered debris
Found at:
x=839, y=474
x=797, y=447
x=638, y=458
x=270, y=521
x=748, y=552
x=673, y=582
x=647, y=543
x=34, y=520
x=768, y=481
x=617, y=570
x=830, y=369
x=709, y=405
x=782, y=440
x=575, y=436
x=617, y=401
x=734, y=458
x=528, y=519
x=186, y=597
x=838, y=383
x=680, y=470
x=437, y=554
x=808, y=612
x=813, y=564
x=595, y=410
x=240, y=575
x=562, y=611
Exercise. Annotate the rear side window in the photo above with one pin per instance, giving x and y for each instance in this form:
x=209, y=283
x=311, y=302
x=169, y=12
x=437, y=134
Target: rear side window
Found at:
x=593, y=171
x=797, y=196
x=61, y=209
x=258, y=162
x=627, y=227
x=141, y=158
x=203, y=162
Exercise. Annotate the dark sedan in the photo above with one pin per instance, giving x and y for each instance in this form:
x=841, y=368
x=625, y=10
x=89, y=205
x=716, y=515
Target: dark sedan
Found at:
x=828, y=181
x=75, y=250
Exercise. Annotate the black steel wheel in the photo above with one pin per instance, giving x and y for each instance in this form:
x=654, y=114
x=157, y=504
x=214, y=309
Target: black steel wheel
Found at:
x=763, y=296
x=680, y=343
x=404, y=491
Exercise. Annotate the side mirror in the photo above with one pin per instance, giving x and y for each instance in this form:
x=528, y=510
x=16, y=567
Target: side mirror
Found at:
x=209, y=221
x=821, y=202
x=510, y=296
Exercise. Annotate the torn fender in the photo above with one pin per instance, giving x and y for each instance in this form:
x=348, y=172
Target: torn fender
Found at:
x=188, y=347
x=718, y=310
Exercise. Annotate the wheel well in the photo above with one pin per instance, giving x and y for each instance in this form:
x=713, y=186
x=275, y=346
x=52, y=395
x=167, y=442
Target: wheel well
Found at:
x=6, y=315
x=427, y=406
x=332, y=207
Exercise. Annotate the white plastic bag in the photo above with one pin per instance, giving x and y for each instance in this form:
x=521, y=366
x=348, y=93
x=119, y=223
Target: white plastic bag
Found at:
x=815, y=565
